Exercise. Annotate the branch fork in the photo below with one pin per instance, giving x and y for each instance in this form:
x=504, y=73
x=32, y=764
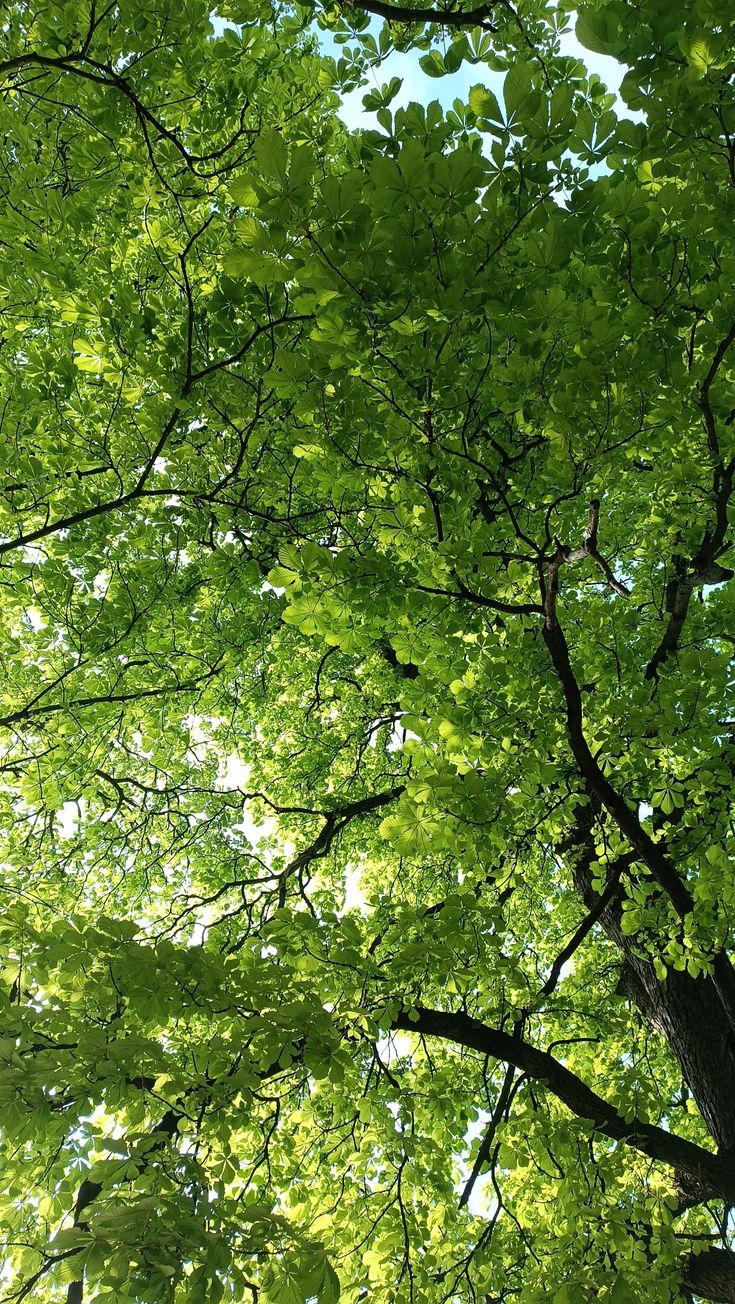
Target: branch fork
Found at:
x=564, y=555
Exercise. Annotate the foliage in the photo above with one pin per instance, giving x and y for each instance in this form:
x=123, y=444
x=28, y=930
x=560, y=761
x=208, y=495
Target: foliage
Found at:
x=366, y=731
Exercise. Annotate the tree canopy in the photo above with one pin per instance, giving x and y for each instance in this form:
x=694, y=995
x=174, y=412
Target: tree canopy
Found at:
x=367, y=732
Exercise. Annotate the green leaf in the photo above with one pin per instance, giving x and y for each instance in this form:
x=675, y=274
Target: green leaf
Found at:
x=458, y=51
x=483, y=102
x=243, y=192
x=621, y=1292
x=598, y=30
x=272, y=154
x=433, y=64
x=367, y=615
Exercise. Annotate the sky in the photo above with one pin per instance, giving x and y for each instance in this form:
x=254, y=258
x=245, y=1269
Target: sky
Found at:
x=417, y=86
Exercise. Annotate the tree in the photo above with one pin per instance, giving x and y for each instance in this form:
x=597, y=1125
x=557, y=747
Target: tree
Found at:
x=367, y=657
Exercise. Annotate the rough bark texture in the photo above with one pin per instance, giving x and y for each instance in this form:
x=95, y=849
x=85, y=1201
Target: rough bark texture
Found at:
x=695, y=1015
x=686, y=1011
x=712, y=1275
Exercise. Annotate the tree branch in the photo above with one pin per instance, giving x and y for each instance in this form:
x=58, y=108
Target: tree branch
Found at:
x=442, y=17
x=598, y=909
x=717, y=1173
x=651, y=853
x=89, y=1190
x=565, y=554
x=483, y=1153
x=334, y=822
x=703, y=567
x=99, y=509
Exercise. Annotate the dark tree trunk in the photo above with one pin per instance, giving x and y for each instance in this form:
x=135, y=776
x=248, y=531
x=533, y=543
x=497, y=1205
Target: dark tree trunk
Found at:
x=712, y=1275
x=686, y=1011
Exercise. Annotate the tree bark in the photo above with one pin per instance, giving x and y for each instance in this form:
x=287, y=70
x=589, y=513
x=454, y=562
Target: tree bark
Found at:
x=686, y=1011
x=714, y=1173
x=711, y=1275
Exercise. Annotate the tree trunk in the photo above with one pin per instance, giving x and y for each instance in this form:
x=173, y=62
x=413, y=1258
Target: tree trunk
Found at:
x=712, y=1275
x=686, y=1011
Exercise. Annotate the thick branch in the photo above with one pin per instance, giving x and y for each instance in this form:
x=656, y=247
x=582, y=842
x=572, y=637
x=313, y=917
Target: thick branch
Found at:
x=139, y=489
x=686, y=1011
x=334, y=822
x=442, y=17
x=483, y=1153
x=99, y=509
x=703, y=568
x=89, y=1190
x=704, y=399
x=80, y=64
x=187, y=686
x=565, y=554
x=161, y=1134
x=651, y=853
x=664, y=1147
x=493, y=604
